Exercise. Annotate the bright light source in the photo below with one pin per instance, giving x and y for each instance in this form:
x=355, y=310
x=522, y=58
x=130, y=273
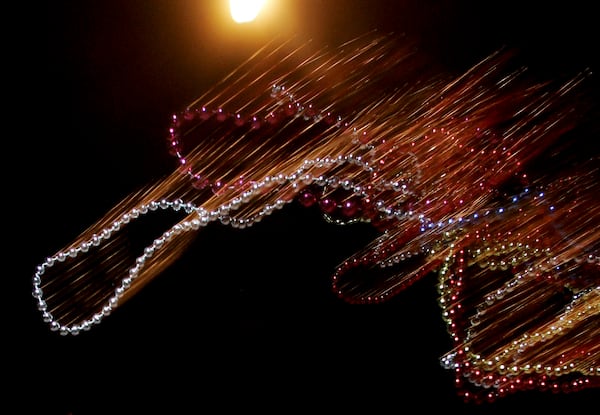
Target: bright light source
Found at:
x=243, y=11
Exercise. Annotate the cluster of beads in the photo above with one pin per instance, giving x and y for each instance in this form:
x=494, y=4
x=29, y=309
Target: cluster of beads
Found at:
x=487, y=378
x=491, y=273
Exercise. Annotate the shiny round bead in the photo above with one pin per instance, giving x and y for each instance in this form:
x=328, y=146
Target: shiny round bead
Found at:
x=350, y=208
x=307, y=198
x=328, y=205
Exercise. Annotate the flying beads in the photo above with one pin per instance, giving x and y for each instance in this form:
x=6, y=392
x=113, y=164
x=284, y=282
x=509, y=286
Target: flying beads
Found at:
x=450, y=170
x=520, y=294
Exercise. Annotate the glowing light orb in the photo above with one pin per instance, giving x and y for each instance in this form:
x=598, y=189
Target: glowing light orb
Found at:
x=243, y=11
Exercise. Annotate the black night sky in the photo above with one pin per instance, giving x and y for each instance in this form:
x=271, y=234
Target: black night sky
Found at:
x=245, y=320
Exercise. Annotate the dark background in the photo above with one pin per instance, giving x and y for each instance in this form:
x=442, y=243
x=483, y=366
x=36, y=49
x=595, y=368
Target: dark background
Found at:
x=246, y=319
